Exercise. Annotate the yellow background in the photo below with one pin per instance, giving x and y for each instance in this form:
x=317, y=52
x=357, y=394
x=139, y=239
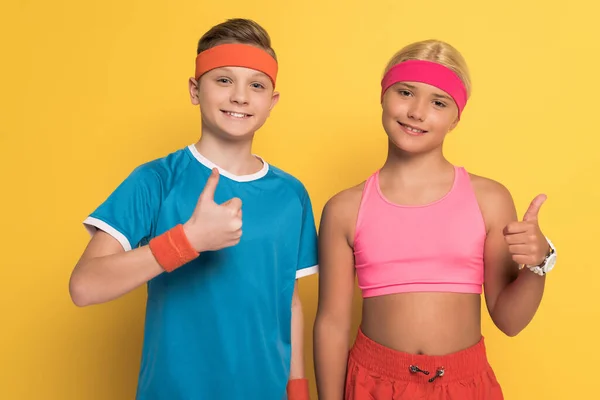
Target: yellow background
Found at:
x=89, y=90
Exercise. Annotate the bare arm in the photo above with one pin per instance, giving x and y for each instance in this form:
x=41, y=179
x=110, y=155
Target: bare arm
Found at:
x=105, y=271
x=336, y=285
x=297, y=363
x=512, y=296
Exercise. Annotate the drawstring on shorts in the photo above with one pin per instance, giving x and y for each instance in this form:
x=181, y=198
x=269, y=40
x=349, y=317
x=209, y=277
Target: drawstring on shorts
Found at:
x=438, y=373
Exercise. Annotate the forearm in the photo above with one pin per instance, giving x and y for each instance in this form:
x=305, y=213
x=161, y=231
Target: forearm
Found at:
x=101, y=279
x=330, y=358
x=297, y=362
x=518, y=302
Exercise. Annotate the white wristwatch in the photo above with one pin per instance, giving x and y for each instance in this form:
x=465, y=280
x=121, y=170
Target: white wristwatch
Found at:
x=548, y=263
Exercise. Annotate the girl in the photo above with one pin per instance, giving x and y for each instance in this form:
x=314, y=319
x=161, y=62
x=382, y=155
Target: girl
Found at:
x=424, y=237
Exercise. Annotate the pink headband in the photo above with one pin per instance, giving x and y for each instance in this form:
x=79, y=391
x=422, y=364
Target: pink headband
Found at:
x=430, y=73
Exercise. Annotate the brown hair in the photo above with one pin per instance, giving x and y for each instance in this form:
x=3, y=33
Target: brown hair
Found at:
x=237, y=30
x=435, y=51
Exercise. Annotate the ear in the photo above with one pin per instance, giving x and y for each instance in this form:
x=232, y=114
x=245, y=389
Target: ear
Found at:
x=382, y=99
x=274, y=100
x=454, y=124
x=193, y=86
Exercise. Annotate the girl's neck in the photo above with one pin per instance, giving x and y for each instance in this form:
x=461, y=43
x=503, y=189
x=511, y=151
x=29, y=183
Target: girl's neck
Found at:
x=415, y=168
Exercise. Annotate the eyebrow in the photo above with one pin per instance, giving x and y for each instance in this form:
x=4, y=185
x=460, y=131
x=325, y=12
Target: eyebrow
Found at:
x=442, y=96
x=224, y=69
x=255, y=74
x=258, y=74
x=407, y=85
x=436, y=95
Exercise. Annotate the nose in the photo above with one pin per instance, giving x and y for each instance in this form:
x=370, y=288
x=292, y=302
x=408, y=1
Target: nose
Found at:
x=417, y=110
x=239, y=95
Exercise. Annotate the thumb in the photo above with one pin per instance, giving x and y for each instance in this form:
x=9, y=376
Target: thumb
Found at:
x=234, y=204
x=534, y=208
x=208, y=193
x=234, y=207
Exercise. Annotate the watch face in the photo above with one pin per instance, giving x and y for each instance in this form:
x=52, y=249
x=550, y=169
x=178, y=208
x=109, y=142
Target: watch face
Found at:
x=549, y=263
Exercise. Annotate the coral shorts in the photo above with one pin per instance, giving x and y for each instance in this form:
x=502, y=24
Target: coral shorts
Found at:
x=376, y=372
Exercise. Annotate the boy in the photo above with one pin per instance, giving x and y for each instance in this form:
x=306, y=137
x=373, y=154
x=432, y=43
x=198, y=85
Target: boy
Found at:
x=223, y=317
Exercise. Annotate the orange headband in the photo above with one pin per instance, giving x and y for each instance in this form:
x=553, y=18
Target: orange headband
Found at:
x=236, y=55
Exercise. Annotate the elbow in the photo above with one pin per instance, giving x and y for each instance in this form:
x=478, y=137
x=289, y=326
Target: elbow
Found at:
x=510, y=330
x=296, y=302
x=326, y=327
x=79, y=292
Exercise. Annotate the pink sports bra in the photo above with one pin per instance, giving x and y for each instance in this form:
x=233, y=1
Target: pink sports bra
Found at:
x=436, y=247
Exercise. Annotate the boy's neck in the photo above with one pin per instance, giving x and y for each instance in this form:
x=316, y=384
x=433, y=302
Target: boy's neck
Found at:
x=234, y=157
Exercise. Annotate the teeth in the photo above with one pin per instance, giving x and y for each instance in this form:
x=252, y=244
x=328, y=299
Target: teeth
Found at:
x=237, y=115
x=415, y=130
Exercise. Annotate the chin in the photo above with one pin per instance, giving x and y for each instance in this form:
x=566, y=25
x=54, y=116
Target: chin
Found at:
x=241, y=129
x=237, y=136
x=236, y=133
x=410, y=145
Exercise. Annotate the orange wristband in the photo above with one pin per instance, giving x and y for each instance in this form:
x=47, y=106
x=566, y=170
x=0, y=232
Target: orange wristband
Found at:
x=297, y=389
x=172, y=249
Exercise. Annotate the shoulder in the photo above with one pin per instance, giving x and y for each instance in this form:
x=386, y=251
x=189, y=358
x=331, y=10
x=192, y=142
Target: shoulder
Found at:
x=347, y=199
x=343, y=206
x=160, y=171
x=494, y=199
x=290, y=181
x=489, y=190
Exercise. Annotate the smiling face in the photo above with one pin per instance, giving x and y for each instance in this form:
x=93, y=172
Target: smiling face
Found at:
x=234, y=101
x=417, y=116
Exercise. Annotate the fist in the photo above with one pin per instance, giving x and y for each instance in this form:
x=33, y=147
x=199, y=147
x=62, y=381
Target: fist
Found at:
x=526, y=242
x=214, y=226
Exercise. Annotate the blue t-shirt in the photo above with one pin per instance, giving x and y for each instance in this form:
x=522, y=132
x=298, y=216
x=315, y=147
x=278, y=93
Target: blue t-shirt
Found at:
x=220, y=326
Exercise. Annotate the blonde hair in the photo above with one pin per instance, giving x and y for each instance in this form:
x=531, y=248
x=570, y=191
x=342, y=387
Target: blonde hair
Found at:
x=236, y=30
x=435, y=51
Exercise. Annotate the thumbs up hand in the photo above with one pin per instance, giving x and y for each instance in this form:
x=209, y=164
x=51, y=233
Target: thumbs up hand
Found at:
x=526, y=242
x=214, y=226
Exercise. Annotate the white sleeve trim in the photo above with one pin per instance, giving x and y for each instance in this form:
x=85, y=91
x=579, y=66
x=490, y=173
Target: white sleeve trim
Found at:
x=91, y=224
x=301, y=273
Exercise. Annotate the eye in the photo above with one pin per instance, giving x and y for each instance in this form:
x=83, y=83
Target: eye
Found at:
x=404, y=92
x=223, y=80
x=439, y=104
x=257, y=85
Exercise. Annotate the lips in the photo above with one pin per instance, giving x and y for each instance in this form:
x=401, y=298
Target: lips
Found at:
x=236, y=115
x=412, y=130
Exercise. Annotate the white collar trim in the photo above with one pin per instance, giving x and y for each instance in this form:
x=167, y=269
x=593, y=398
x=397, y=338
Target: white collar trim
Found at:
x=238, y=178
